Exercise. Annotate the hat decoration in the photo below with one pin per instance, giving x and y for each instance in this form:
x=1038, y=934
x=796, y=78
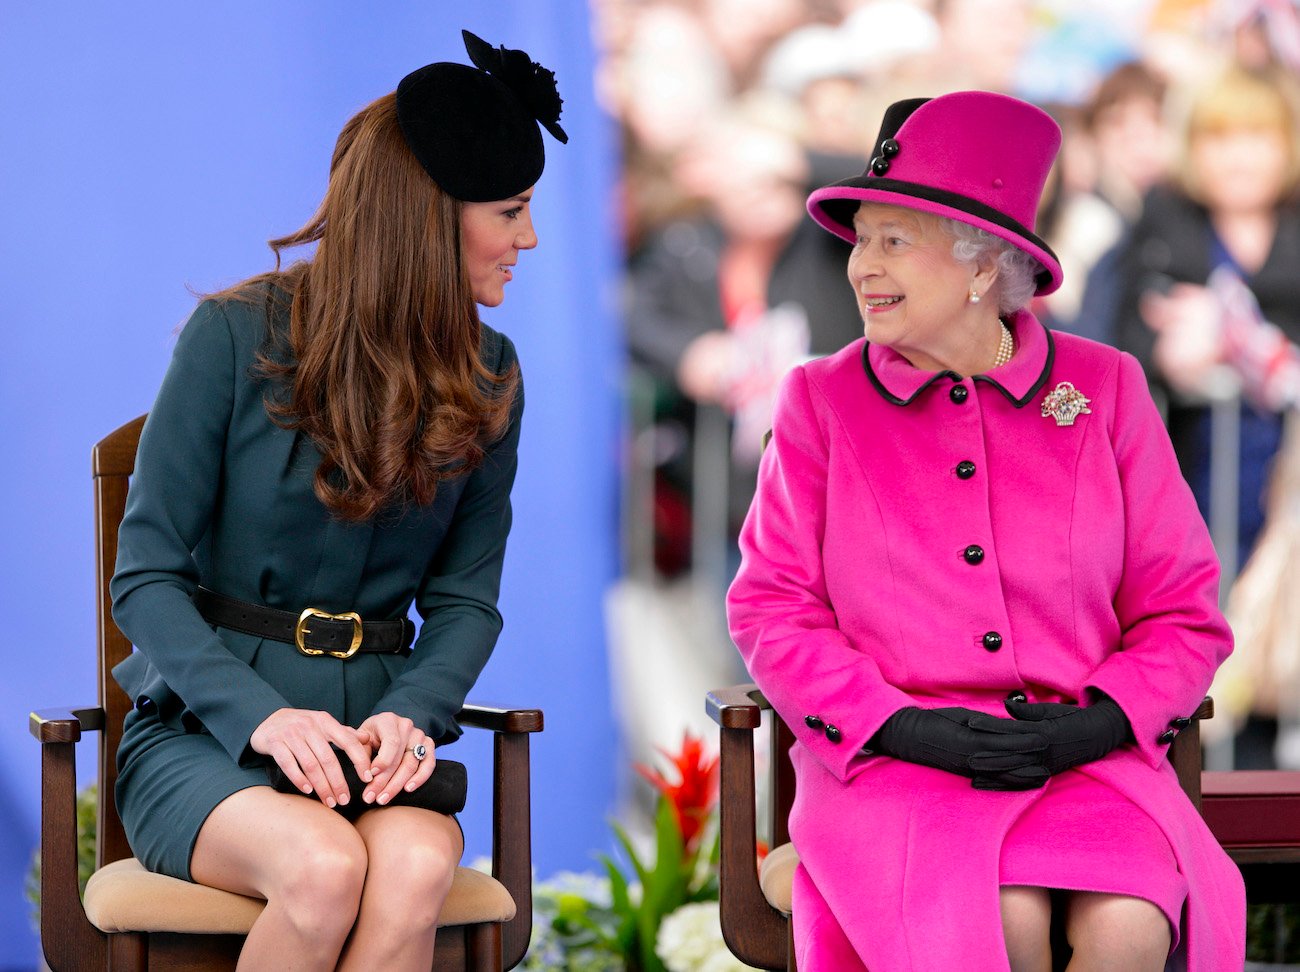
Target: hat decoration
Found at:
x=973, y=156
x=474, y=130
x=534, y=84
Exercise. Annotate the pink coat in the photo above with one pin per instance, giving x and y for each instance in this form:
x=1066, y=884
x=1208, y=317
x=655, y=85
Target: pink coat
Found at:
x=861, y=592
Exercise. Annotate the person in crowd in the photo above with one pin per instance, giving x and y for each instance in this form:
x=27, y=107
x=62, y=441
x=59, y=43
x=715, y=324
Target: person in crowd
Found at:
x=333, y=442
x=977, y=588
x=1231, y=204
x=1125, y=126
x=721, y=305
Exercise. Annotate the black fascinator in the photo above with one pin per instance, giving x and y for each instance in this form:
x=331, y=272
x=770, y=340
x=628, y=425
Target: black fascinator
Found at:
x=475, y=129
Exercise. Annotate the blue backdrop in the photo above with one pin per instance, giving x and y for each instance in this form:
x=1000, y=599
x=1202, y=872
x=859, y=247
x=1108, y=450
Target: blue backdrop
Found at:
x=151, y=147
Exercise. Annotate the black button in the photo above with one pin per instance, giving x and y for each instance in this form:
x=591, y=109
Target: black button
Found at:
x=965, y=469
x=144, y=704
x=833, y=734
x=992, y=641
x=1166, y=737
x=974, y=554
x=958, y=393
x=889, y=148
x=1017, y=696
x=813, y=722
x=880, y=165
x=1181, y=724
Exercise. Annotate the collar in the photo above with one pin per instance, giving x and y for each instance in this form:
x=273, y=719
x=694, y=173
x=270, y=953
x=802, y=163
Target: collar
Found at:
x=1019, y=379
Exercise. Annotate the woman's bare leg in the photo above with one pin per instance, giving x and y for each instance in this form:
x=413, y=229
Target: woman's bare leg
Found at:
x=1116, y=933
x=303, y=858
x=412, y=856
x=1027, y=925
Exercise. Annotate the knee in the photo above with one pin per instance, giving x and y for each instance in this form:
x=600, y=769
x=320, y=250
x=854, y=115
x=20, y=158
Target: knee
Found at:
x=1026, y=925
x=321, y=885
x=1118, y=925
x=414, y=884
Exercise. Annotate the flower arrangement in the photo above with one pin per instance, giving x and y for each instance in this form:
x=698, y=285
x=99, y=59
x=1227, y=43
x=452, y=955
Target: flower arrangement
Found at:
x=652, y=912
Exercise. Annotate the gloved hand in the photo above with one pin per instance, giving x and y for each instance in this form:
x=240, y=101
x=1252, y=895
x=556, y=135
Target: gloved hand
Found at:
x=997, y=754
x=1075, y=734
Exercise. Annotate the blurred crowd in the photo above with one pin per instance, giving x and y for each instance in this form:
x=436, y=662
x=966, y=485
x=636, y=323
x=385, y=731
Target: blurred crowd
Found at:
x=1172, y=209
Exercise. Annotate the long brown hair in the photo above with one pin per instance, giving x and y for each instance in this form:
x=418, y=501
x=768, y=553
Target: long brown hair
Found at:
x=384, y=372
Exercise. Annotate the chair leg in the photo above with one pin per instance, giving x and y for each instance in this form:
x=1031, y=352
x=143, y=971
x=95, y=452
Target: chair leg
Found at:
x=484, y=951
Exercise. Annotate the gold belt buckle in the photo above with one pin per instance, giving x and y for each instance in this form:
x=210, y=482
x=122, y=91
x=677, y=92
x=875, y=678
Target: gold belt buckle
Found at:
x=301, y=629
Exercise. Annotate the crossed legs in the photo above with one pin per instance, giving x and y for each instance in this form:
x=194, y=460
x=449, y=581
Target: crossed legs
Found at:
x=1107, y=932
x=381, y=881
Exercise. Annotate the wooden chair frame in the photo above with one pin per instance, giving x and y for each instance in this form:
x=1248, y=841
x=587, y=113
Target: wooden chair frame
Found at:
x=757, y=933
x=72, y=944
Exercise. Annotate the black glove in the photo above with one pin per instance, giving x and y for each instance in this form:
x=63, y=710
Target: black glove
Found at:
x=997, y=754
x=443, y=792
x=1074, y=734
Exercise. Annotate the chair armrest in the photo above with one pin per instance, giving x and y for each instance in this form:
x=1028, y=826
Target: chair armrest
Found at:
x=65, y=725
x=754, y=930
x=68, y=938
x=512, y=847
x=1185, y=753
x=499, y=719
x=736, y=706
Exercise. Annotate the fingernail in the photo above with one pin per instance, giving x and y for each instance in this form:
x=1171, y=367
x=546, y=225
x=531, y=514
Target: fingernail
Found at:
x=366, y=776
x=410, y=787
x=368, y=796
x=383, y=798
x=329, y=802
x=306, y=788
x=343, y=799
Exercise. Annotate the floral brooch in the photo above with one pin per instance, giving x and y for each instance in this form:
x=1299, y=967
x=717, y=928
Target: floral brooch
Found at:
x=1065, y=403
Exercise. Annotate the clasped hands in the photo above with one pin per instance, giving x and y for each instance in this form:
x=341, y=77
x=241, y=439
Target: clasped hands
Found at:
x=302, y=742
x=1039, y=740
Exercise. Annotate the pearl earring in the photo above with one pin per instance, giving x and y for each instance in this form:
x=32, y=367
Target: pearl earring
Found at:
x=974, y=297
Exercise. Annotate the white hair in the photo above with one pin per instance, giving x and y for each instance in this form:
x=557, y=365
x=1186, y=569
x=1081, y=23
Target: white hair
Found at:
x=1017, y=270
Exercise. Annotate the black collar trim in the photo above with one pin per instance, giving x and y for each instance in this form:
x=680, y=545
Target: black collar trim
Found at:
x=1021, y=402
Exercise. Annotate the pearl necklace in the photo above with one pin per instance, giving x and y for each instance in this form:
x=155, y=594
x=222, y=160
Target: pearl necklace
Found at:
x=1006, y=346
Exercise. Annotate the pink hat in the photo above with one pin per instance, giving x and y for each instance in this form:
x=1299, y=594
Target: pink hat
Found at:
x=973, y=156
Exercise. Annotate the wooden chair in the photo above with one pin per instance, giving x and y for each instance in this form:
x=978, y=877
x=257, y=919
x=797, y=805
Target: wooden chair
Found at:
x=755, y=904
x=136, y=920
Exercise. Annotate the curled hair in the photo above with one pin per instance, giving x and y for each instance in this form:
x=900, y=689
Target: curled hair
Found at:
x=1017, y=270
x=383, y=369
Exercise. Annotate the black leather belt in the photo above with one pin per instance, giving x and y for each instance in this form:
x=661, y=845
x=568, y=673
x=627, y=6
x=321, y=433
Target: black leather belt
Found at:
x=312, y=632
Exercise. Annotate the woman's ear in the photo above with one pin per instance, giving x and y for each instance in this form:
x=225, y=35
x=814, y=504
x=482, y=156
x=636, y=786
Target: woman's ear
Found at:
x=986, y=274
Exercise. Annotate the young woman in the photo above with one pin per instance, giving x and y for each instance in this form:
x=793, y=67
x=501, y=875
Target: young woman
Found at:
x=333, y=442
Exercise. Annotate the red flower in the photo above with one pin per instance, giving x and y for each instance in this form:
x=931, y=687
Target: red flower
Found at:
x=693, y=798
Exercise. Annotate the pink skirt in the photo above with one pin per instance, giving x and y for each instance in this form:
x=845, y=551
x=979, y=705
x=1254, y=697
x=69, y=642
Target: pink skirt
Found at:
x=1083, y=836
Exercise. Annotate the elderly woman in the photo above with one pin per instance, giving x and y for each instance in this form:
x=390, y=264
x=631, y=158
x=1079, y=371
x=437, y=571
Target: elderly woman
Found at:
x=977, y=588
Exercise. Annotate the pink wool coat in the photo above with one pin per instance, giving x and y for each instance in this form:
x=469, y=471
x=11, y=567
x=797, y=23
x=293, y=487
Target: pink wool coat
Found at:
x=924, y=539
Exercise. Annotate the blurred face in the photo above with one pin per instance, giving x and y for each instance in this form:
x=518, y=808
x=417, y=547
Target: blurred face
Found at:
x=757, y=189
x=1132, y=142
x=1240, y=169
x=911, y=292
x=491, y=236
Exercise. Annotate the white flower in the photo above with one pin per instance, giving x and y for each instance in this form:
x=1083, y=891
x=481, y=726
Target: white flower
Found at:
x=690, y=940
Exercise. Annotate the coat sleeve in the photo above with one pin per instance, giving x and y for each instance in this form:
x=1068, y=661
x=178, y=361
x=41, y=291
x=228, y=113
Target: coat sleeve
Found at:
x=457, y=597
x=778, y=607
x=1173, y=635
x=169, y=507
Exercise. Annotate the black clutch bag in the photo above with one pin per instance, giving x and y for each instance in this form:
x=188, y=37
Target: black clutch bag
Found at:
x=443, y=792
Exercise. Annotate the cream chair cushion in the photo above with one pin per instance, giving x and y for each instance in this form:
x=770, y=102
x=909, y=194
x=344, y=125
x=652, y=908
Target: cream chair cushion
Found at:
x=776, y=876
x=123, y=896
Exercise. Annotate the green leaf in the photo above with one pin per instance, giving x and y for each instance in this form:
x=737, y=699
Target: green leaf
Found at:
x=626, y=842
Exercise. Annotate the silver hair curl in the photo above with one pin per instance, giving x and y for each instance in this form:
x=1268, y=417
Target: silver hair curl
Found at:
x=1017, y=270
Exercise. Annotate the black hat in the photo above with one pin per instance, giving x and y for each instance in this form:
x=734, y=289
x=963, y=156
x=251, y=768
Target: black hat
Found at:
x=474, y=129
